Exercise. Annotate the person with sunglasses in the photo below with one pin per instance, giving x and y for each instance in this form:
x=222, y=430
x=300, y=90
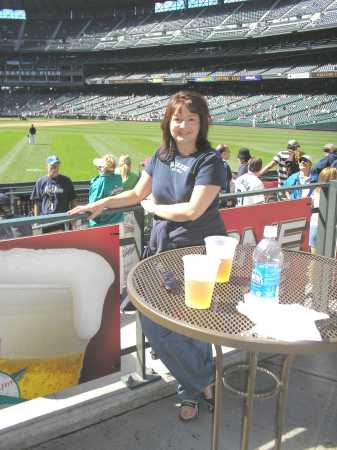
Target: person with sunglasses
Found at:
x=300, y=178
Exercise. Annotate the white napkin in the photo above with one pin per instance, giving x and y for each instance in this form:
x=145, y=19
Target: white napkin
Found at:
x=283, y=322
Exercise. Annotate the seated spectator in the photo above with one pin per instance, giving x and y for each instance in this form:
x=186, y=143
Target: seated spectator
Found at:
x=243, y=157
x=250, y=182
x=301, y=177
x=326, y=175
x=107, y=183
x=129, y=179
x=11, y=231
x=330, y=159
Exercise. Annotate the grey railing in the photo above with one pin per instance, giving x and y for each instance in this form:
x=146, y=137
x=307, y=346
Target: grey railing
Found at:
x=327, y=210
x=326, y=245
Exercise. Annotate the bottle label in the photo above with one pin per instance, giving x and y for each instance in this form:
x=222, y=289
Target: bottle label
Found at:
x=266, y=280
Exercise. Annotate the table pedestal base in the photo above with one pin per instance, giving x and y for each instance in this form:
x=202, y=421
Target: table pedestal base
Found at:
x=281, y=390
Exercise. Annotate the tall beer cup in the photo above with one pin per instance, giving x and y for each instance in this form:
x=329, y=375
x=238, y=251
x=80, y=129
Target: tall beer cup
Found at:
x=222, y=248
x=199, y=273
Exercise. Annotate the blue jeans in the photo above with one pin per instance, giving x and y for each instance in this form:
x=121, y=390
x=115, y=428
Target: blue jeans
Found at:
x=190, y=361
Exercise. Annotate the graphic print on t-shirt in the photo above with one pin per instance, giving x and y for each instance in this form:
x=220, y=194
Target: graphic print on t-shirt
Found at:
x=178, y=167
x=51, y=190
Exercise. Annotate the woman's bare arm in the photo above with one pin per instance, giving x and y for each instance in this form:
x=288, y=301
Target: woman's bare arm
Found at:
x=127, y=198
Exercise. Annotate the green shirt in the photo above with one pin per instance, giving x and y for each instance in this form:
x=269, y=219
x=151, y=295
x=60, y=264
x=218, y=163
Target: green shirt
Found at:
x=103, y=186
x=130, y=182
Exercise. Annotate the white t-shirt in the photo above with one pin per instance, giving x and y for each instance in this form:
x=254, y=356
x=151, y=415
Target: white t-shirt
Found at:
x=247, y=183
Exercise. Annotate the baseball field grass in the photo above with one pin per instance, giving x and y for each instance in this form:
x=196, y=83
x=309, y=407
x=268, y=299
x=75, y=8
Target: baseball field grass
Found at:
x=77, y=143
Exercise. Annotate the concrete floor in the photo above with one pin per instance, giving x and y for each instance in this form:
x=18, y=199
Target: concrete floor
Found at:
x=311, y=419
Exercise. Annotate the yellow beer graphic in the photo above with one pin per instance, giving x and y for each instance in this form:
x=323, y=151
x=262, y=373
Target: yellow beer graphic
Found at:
x=51, y=304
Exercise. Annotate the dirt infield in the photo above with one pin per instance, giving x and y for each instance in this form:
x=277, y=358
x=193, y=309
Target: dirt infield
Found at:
x=14, y=123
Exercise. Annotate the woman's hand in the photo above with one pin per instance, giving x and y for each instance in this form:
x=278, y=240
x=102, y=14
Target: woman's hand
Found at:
x=93, y=209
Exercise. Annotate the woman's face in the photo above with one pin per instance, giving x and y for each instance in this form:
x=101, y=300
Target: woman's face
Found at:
x=184, y=127
x=305, y=166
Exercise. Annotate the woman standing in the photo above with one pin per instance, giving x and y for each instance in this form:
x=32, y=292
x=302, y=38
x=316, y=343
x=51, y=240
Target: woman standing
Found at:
x=129, y=178
x=184, y=177
x=105, y=184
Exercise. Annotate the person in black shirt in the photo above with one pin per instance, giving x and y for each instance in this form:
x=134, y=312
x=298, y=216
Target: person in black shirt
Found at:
x=31, y=134
x=243, y=156
x=225, y=153
x=52, y=193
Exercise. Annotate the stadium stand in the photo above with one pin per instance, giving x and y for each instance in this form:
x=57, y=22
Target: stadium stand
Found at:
x=271, y=62
x=228, y=21
x=267, y=110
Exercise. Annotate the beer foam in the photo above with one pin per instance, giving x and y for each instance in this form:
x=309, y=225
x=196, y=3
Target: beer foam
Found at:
x=88, y=275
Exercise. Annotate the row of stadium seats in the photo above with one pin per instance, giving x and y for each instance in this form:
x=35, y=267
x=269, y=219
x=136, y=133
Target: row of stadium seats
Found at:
x=254, y=110
x=228, y=21
x=216, y=71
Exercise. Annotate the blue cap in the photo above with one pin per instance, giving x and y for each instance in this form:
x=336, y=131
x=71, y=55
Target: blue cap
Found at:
x=51, y=160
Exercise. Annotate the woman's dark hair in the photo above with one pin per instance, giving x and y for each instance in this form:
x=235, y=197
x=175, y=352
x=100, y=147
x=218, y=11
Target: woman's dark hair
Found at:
x=255, y=165
x=196, y=104
x=244, y=154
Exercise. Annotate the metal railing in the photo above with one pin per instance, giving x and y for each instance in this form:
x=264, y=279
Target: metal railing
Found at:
x=326, y=244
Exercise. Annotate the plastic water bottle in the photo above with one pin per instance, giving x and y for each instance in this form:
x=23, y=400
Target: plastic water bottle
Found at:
x=267, y=265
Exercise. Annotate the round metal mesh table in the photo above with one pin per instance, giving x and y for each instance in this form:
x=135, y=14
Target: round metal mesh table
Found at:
x=306, y=279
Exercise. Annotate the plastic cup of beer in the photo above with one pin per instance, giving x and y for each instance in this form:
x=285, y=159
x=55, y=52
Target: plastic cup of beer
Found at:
x=223, y=249
x=200, y=273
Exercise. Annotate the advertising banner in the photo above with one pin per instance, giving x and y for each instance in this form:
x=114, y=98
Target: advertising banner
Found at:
x=59, y=311
x=250, y=77
x=292, y=218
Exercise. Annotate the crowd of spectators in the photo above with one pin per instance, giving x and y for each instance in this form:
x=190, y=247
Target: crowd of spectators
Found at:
x=275, y=110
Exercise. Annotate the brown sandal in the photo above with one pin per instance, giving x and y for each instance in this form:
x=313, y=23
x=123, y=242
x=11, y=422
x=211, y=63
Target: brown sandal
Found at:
x=191, y=404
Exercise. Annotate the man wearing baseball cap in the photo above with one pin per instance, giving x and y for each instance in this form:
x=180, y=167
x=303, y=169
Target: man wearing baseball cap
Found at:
x=52, y=193
x=283, y=160
x=330, y=159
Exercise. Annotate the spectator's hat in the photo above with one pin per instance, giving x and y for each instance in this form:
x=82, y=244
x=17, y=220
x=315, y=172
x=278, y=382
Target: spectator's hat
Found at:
x=244, y=154
x=306, y=158
x=107, y=161
x=293, y=144
x=53, y=159
x=4, y=199
x=330, y=148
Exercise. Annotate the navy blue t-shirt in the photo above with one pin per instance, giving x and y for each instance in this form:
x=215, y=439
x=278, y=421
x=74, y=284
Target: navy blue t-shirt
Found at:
x=55, y=194
x=326, y=161
x=173, y=181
